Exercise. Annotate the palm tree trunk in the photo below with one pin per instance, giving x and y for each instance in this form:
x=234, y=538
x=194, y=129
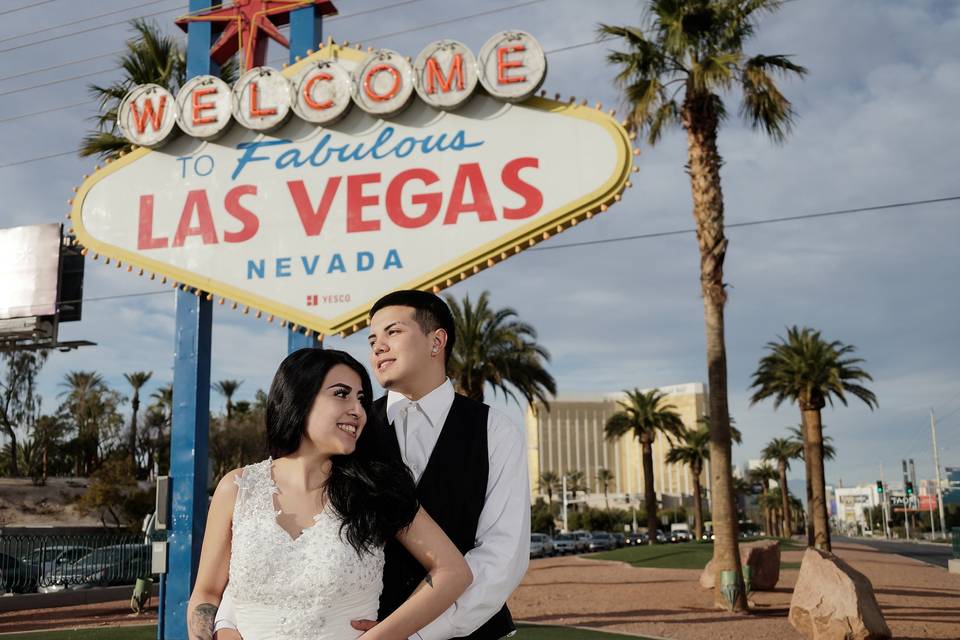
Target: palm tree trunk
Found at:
x=700, y=121
x=813, y=450
x=649, y=492
x=697, y=505
x=135, y=403
x=785, y=498
x=767, y=520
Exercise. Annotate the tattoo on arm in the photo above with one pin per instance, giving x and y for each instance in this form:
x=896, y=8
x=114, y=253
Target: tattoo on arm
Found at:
x=429, y=580
x=201, y=621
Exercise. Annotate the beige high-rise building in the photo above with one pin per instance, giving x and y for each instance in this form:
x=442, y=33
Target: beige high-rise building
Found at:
x=570, y=437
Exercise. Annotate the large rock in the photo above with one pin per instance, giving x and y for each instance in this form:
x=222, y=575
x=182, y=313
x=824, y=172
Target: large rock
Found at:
x=834, y=601
x=763, y=558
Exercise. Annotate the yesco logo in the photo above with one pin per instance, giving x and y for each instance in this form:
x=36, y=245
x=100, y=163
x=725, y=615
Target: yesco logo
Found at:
x=511, y=67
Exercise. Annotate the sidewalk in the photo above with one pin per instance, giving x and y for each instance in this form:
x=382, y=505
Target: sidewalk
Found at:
x=918, y=600
x=105, y=614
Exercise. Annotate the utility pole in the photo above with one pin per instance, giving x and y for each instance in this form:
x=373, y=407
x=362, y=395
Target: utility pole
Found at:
x=936, y=466
x=884, y=505
x=906, y=502
x=565, y=528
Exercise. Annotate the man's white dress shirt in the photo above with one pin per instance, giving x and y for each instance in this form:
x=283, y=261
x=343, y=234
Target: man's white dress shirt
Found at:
x=502, y=552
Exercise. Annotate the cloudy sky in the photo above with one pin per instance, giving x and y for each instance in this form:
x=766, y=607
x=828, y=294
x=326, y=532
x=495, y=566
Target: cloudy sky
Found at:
x=877, y=126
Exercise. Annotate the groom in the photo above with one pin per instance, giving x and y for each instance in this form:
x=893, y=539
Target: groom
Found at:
x=469, y=462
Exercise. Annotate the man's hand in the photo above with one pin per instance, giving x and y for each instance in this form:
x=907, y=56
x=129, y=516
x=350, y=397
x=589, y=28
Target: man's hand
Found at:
x=362, y=625
x=227, y=634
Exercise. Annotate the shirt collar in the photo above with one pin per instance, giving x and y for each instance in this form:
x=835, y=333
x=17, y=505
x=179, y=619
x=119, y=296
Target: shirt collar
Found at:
x=433, y=405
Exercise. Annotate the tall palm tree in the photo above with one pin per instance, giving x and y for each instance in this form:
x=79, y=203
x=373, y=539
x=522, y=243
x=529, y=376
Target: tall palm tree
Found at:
x=782, y=451
x=806, y=369
x=82, y=390
x=763, y=475
x=495, y=347
x=604, y=478
x=136, y=380
x=829, y=453
x=575, y=482
x=693, y=451
x=645, y=415
x=549, y=481
x=227, y=388
x=150, y=58
x=163, y=401
x=677, y=66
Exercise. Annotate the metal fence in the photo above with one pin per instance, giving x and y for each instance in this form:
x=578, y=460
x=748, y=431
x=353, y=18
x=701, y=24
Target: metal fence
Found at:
x=52, y=563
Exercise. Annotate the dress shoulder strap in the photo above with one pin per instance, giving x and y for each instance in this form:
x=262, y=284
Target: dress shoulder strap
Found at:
x=255, y=489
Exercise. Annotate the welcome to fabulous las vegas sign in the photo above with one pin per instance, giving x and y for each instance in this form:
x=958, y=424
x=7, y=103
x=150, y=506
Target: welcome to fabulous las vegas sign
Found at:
x=307, y=193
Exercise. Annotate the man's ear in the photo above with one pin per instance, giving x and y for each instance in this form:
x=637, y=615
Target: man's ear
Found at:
x=439, y=341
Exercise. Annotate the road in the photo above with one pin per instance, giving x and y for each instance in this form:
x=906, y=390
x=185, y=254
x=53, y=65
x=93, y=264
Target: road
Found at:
x=935, y=554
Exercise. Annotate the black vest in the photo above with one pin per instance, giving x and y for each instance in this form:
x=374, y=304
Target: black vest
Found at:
x=452, y=490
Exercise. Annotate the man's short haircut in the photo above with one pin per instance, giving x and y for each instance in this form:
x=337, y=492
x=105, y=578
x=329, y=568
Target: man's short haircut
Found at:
x=429, y=311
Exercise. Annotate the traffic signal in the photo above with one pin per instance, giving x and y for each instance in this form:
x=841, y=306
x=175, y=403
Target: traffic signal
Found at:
x=880, y=487
x=909, y=488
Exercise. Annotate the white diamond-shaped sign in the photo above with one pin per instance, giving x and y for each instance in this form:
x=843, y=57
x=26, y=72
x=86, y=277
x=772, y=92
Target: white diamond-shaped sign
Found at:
x=312, y=224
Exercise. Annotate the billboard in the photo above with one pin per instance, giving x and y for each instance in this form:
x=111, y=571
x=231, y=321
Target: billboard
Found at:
x=29, y=268
x=309, y=216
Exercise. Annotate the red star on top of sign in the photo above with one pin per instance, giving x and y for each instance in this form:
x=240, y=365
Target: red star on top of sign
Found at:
x=248, y=25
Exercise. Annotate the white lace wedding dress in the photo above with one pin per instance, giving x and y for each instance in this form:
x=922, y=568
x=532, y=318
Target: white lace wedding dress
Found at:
x=310, y=587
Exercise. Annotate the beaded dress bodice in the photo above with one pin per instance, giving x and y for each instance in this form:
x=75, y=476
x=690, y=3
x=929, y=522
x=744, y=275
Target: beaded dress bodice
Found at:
x=296, y=588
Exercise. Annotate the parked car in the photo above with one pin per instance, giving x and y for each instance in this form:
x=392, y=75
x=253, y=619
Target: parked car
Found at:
x=536, y=546
x=601, y=541
x=106, y=566
x=46, y=562
x=15, y=575
x=619, y=540
x=637, y=539
x=583, y=540
x=545, y=543
x=564, y=543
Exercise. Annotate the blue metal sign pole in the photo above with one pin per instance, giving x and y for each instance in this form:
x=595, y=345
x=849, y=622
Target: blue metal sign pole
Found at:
x=191, y=410
x=306, y=32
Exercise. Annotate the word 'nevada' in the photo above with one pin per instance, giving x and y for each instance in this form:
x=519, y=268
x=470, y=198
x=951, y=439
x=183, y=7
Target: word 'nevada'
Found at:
x=511, y=67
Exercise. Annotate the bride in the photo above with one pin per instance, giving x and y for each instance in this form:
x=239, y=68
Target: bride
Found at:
x=297, y=540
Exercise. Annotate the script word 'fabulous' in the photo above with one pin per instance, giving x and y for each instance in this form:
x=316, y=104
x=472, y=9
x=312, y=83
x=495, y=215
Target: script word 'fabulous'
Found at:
x=511, y=67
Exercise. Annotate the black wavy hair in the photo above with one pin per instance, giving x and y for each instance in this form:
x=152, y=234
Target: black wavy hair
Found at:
x=429, y=311
x=374, y=496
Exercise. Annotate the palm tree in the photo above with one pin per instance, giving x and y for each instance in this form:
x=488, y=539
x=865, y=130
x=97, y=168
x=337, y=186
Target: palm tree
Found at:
x=782, y=451
x=693, y=451
x=227, y=388
x=82, y=390
x=495, y=347
x=646, y=414
x=695, y=48
x=806, y=369
x=763, y=475
x=136, y=379
x=575, y=482
x=150, y=58
x=829, y=453
x=604, y=478
x=549, y=481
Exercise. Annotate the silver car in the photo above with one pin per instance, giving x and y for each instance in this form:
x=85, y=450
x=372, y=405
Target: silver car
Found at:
x=564, y=543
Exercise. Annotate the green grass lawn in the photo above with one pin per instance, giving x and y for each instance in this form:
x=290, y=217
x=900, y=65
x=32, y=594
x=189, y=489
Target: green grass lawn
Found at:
x=532, y=632
x=688, y=555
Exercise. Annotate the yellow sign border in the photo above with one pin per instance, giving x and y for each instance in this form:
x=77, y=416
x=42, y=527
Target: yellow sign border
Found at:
x=482, y=257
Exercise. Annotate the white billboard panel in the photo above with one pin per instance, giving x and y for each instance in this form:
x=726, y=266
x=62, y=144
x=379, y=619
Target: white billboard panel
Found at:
x=29, y=266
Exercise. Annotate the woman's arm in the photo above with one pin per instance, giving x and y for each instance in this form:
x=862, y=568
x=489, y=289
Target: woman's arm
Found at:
x=448, y=575
x=214, y=568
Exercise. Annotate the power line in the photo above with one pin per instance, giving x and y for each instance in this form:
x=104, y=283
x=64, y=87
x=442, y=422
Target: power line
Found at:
x=65, y=107
x=38, y=159
x=26, y=6
x=59, y=66
x=82, y=20
x=53, y=82
x=750, y=223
